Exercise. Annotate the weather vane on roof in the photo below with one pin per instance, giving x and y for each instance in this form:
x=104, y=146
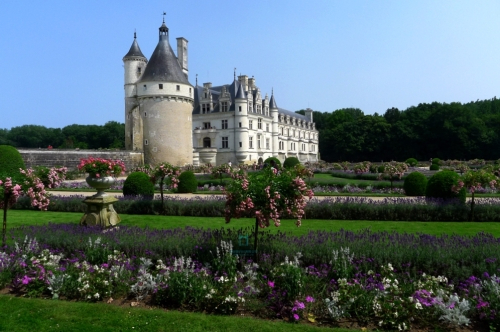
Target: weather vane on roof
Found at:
x=164, y=13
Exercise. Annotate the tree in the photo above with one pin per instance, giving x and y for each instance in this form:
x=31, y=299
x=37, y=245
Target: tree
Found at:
x=162, y=172
x=11, y=188
x=267, y=195
x=473, y=181
x=394, y=170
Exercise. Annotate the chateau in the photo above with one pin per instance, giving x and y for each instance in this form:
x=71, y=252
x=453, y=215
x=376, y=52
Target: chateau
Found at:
x=169, y=120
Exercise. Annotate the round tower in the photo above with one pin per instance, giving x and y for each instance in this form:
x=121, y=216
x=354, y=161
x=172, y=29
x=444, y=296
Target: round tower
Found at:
x=273, y=108
x=241, y=119
x=134, y=63
x=165, y=99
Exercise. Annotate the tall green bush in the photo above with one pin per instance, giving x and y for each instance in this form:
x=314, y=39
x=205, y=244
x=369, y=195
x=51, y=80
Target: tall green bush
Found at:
x=415, y=184
x=10, y=161
x=138, y=184
x=412, y=162
x=187, y=182
x=436, y=161
x=291, y=162
x=440, y=186
x=276, y=160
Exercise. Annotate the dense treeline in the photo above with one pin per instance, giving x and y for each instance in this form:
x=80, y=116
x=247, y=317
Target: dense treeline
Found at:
x=446, y=131
x=110, y=135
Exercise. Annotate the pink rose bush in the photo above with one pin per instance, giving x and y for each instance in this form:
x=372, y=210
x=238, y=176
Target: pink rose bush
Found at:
x=267, y=194
x=27, y=183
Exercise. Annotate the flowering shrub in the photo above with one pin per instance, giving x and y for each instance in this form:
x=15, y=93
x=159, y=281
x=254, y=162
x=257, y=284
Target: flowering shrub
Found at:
x=27, y=183
x=97, y=167
x=474, y=181
x=363, y=167
x=394, y=170
x=51, y=177
x=267, y=194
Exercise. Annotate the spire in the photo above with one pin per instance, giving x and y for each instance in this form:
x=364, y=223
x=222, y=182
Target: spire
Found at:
x=163, y=29
x=241, y=92
x=272, y=102
x=135, y=50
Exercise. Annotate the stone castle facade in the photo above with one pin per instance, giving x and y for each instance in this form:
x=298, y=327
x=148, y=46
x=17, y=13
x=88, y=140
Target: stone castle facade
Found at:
x=170, y=120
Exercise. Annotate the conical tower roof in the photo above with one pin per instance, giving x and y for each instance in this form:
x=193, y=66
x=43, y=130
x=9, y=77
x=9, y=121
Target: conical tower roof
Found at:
x=135, y=50
x=240, y=94
x=272, y=102
x=163, y=65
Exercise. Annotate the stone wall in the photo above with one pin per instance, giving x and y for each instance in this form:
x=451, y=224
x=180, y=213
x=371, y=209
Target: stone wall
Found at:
x=71, y=158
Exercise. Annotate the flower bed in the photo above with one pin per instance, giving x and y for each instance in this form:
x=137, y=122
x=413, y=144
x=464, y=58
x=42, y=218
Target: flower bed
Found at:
x=394, y=281
x=331, y=208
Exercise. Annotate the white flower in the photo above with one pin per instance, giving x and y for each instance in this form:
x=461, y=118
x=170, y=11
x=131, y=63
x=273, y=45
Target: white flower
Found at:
x=96, y=295
x=418, y=306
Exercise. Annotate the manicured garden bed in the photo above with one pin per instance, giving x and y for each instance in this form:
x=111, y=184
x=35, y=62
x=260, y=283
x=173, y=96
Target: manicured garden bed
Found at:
x=319, y=278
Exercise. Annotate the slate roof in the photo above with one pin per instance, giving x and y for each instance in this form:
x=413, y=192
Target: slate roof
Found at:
x=163, y=65
x=135, y=50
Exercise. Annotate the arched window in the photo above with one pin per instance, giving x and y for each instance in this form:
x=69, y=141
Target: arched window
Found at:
x=206, y=142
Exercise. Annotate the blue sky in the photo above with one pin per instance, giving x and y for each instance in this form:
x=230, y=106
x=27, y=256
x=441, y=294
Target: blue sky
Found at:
x=61, y=61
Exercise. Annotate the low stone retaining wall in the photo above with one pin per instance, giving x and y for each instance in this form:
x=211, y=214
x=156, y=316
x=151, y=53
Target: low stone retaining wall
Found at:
x=71, y=158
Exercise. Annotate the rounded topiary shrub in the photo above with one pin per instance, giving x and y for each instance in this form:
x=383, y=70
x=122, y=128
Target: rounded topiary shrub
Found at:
x=434, y=167
x=276, y=160
x=187, y=182
x=381, y=169
x=10, y=161
x=436, y=161
x=291, y=162
x=440, y=184
x=412, y=162
x=415, y=184
x=138, y=184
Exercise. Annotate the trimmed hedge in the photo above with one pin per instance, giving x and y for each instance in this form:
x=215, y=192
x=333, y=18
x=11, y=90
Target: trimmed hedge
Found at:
x=187, y=183
x=415, y=184
x=434, y=167
x=440, y=184
x=412, y=162
x=10, y=161
x=291, y=162
x=138, y=184
x=276, y=160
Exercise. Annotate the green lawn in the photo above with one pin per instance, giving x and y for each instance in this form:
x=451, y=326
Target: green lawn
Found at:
x=22, y=217
x=20, y=314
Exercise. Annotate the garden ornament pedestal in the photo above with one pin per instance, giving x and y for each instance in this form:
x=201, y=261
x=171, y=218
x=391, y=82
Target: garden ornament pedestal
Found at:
x=100, y=209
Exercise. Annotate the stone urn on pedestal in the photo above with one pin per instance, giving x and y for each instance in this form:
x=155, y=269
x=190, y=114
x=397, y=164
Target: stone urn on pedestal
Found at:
x=102, y=174
x=100, y=209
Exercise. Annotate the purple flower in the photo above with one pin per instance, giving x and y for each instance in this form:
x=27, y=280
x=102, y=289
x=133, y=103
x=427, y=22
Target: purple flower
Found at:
x=26, y=280
x=296, y=316
x=270, y=284
x=309, y=299
x=299, y=305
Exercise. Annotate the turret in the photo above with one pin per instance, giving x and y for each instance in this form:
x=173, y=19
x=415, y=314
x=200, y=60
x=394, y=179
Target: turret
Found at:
x=134, y=63
x=273, y=108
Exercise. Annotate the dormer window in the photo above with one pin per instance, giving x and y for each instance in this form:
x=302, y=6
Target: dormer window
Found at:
x=224, y=106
